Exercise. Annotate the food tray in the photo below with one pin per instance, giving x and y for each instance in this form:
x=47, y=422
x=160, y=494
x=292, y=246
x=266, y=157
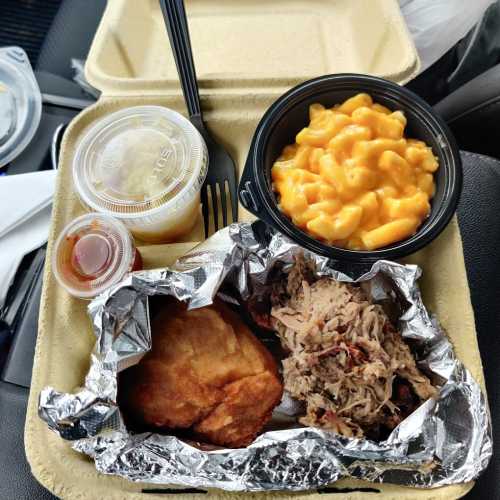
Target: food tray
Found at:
x=65, y=337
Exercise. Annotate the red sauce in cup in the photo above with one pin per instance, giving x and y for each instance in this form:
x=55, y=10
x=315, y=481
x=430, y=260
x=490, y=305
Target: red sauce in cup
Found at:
x=93, y=253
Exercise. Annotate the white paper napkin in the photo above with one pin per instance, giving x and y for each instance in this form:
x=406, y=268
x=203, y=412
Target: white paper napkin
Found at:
x=25, y=208
x=24, y=195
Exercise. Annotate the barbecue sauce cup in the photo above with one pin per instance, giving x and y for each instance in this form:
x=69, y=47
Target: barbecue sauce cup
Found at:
x=290, y=113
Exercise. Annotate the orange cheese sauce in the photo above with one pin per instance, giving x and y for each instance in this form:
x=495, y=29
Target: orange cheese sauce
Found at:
x=352, y=179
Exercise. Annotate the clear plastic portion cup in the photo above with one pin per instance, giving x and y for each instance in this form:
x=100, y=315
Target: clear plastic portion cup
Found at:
x=92, y=253
x=144, y=165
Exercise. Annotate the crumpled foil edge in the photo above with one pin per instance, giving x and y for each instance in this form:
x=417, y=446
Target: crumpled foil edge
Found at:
x=443, y=442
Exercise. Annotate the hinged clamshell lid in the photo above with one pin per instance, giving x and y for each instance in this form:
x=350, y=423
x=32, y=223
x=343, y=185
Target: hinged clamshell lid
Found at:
x=250, y=48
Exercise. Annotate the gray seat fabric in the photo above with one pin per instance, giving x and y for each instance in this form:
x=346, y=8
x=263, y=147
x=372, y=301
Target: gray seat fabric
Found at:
x=16, y=480
x=478, y=51
x=473, y=110
x=70, y=35
x=25, y=23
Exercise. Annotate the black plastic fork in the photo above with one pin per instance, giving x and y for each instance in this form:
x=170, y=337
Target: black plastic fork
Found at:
x=221, y=167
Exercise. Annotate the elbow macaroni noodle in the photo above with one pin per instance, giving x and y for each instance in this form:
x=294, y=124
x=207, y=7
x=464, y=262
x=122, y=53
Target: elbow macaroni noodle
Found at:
x=352, y=179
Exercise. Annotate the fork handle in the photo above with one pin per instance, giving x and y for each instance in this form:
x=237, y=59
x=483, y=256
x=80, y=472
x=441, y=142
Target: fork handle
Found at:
x=174, y=15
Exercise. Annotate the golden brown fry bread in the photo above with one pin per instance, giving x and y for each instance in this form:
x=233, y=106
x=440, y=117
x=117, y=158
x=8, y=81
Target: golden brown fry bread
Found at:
x=207, y=372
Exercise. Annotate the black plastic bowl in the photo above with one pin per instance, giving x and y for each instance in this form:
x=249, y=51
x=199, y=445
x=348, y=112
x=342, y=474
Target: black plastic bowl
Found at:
x=290, y=113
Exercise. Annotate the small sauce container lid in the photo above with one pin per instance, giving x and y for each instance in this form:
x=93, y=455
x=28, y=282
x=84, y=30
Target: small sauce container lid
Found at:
x=91, y=254
x=20, y=103
x=139, y=160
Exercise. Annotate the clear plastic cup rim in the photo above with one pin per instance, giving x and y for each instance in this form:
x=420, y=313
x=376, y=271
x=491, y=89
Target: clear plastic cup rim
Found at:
x=122, y=260
x=128, y=209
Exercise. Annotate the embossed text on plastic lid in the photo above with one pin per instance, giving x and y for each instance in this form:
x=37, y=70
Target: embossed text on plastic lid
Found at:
x=140, y=161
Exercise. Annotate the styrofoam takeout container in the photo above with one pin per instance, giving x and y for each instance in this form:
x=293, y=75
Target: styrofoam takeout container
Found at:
x=247, y=53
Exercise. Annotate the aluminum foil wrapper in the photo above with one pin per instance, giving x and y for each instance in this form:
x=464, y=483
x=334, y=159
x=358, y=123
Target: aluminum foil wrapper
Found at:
x=444, y=441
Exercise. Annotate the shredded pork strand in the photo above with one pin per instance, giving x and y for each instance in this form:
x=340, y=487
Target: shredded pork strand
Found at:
x=345, y=356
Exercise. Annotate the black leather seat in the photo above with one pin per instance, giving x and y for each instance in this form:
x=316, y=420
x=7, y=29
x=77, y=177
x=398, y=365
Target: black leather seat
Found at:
x=472, y=112
x=477, y=216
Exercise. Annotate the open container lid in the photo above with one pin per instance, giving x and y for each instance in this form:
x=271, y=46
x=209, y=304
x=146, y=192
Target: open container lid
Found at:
x=20, y=103
x=250, y=48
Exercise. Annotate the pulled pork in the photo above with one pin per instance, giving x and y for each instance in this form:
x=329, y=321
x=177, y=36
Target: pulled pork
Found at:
x=349, y=365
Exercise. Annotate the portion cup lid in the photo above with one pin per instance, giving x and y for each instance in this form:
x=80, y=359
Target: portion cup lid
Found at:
x=92, y=253
x=20, y=103
x=138, y=159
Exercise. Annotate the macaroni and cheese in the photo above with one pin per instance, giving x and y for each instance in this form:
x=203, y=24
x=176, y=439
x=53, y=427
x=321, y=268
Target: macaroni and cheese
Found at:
x=352, y=179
